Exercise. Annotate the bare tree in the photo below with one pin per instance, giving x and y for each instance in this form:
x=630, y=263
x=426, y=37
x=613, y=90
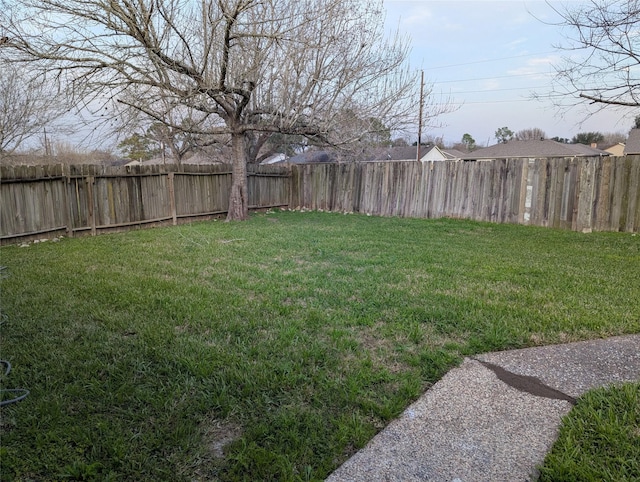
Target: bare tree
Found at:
x=533, y=133
x=611, y=138
x=603, y=62
x=28, y=105
x=179, y=141
x=245, y=69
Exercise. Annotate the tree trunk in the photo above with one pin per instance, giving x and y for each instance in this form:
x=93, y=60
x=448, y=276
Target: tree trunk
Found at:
x=238, y=199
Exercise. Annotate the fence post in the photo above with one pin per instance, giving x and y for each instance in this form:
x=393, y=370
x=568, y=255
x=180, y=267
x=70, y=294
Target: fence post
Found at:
x=66, y=182
x=172, y=197
x=585, y=194
x=524, y=188
x=91, y=204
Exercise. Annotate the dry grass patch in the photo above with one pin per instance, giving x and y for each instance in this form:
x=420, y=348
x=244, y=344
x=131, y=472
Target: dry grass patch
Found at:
x=218, y=434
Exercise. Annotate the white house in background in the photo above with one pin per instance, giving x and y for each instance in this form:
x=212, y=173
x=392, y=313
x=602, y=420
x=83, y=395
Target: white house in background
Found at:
x=437, y=154
x=274, y=159
x=434, y=154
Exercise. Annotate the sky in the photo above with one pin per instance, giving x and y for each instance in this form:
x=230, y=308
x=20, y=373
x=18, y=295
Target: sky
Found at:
x=488, y=57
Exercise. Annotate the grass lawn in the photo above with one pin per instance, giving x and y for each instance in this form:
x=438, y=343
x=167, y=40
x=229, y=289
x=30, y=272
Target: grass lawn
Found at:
x=273, y=349
x=599, y=439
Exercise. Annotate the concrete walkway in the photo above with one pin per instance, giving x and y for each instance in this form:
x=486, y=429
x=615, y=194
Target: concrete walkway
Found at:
x=493, y=418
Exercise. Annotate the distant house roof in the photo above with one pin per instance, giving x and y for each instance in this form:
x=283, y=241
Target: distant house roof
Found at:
x=274, y=159
x=427, y=153
x=119, y=162
x=455, y=153
x=633, y=142
x=534, y=149
x=397, y=153
x=584, y=150
x=198, y=158
x=312, y=156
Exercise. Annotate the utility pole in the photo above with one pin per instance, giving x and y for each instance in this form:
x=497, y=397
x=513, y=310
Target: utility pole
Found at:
x=47, y=147
x=420, y=116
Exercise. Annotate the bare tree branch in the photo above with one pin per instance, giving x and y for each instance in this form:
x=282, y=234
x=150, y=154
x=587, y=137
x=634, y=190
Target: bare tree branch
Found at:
x=602, y=65
x=246, y=69
x=601, y=100
x=28, y=104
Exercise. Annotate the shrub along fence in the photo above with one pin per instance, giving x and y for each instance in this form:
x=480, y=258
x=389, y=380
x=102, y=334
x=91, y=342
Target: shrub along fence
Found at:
x=585, y=194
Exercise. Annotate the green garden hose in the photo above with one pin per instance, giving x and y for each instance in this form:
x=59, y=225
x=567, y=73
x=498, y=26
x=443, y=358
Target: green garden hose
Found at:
x=22, y=393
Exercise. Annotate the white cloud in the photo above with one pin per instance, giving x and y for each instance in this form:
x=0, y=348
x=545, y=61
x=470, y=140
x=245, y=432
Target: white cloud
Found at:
x=540, y=67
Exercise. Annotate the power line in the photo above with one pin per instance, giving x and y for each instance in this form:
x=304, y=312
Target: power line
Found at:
x=488, y=60
x=492, y=102
x=492, y=90
x=488, y=78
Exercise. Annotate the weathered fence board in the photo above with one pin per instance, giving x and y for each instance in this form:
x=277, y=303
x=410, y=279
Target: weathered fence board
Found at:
x=581, y=194
x=42, y=200
x=601, y=194
x=32, y=207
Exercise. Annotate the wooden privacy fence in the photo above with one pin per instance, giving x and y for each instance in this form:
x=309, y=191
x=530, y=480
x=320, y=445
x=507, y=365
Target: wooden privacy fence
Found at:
x=601, y=194
x=579, y=194
x=45, y=201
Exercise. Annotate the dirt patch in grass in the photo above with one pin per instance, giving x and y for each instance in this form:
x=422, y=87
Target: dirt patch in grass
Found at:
x=382, y=350
x=371, y=340
x=217, y=434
